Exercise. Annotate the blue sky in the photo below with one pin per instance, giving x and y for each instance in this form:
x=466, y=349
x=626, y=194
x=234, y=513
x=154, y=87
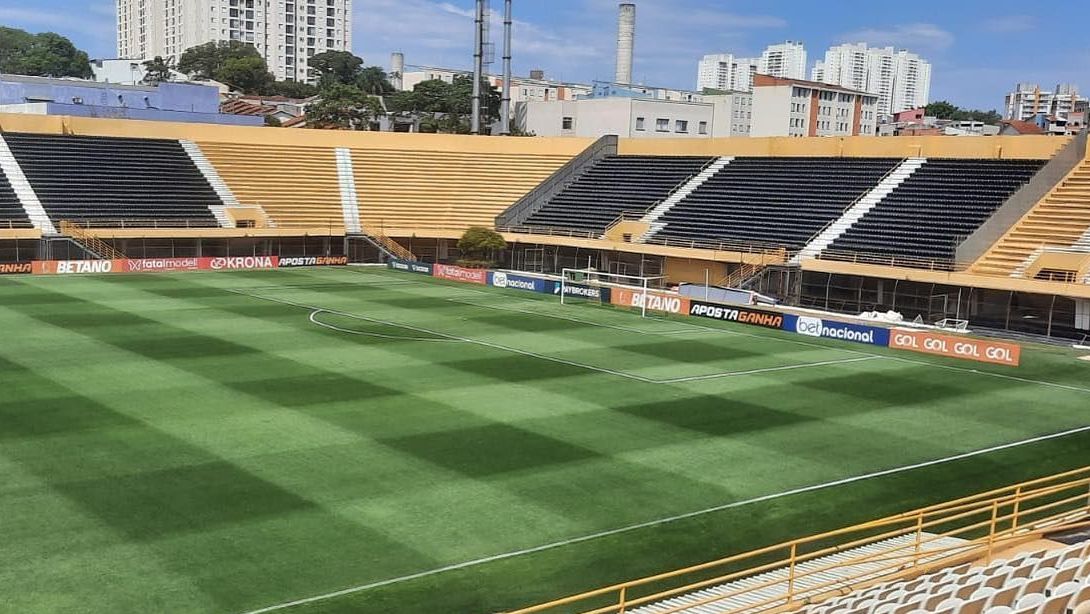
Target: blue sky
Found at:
x=978, y=49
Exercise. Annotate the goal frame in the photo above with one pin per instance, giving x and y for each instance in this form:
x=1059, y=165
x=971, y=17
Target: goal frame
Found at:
x=642, y=289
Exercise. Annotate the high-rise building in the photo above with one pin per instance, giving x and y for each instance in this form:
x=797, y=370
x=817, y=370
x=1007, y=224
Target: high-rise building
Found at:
x=285, y=32
x=1028, y=101
x=725, y=72
x=786, y=60
x=901, y=80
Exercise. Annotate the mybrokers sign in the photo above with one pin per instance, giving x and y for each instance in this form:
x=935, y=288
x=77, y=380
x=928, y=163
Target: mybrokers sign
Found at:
x=597, y=293
x=457, y=273
x=829, y=329
x=499, y=279
x=15, y=268
x=410, y=266
x=654, y=301
x=313, y=261
x=232, y=263
x=741, y=315
x=980, y=350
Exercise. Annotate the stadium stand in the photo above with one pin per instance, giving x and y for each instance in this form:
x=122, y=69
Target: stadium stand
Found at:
x=107, y=179
x=1062, y=218
x=12, y=214
x=613, y=186
x=783, y=201
x=928, y=215
x=296, y=186
x=443, y=189
x=1043, y=582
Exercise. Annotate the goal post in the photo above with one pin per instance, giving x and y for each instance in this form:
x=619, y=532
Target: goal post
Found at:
x=594, y=285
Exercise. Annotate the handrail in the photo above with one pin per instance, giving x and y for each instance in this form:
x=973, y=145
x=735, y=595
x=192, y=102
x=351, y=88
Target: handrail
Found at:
x=625, y=215
x=91, y=244
x=555, y=183
x=985, y=521
x=914, y=262
x=855, y=202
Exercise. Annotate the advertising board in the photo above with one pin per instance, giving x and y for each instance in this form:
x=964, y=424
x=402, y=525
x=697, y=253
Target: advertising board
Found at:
x=501, y=279
x=832, y=329
x=16, y=268
x=965, y=348
x=656, y=301
x=410, y=266
x=741, y=315
x=457, y=273
x=298, y=261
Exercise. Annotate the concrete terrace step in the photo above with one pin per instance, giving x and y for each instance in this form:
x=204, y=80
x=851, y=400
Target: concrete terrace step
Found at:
x=24, y=191
x=655, y=213
x=714, y=599
x=212, y=176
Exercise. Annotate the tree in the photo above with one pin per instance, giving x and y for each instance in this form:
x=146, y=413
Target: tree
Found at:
x=248, y=74
x=157, y=70
x=41, y=55
x=292, y=89
x=335, y=67
x=343, y=107
x=941, y=109
x=401, y=102
x=479, y=245
x=946, y=110
x=272, y=122
x=373, y=80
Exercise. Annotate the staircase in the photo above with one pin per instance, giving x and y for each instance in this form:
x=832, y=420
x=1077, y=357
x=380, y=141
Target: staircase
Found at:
x=90, y=243
x=24, y=191
x=858, y=209
x=651, y=218
x=347, y=180
x=212, y=176
x=392, y=248
x=1061, y=219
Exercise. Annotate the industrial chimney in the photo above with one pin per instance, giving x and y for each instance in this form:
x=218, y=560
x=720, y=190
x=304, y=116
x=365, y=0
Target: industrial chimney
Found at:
x=626, y=39
x=397, y=70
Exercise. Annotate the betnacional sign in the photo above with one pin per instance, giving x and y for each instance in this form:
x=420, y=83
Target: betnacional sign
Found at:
x=965, y=348
x=654, y=301
x=830, y=329
x=741, y=315
x=16, y=268
x=457, y=273
x=501, y=279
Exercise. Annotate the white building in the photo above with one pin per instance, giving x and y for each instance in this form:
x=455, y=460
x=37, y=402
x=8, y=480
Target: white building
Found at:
x=793, y=107
x=1028, y=100
x=523, y=89
x=723, y=71
x=786, y=60
x=902, y=80
x=285, y=32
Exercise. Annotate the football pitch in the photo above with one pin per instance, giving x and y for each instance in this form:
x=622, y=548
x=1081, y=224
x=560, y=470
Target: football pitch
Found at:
x=358, y=440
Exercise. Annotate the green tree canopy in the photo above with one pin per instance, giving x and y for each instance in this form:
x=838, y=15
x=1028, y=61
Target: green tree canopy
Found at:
x=343, y=107
x=41, y=55
x=943, y=109
x=208, y=59
x=158, y=70
x=479, y=245
x=335, y=67
x=373, y=80
x=449, y=104
x=249, y=74
x=292, y=89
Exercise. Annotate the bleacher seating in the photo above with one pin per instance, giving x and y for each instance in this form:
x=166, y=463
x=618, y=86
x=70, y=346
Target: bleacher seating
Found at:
x=934, y=209
x=1061, y=219
x=1049, y=582
x=12, y=214
x=296, y=186
x=100, y=179
x=782, y=201
x=613, y=186
x=444, y=189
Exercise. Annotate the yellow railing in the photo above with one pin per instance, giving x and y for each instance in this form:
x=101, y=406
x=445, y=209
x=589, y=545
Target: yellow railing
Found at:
x=90, y=241
x=986, y=522
x=390, y=245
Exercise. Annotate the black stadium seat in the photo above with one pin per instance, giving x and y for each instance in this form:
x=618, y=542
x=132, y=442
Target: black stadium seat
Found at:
x=12, y=214
x=932, y=211
x=782, y=201
x=100, y=179
x=615, y=185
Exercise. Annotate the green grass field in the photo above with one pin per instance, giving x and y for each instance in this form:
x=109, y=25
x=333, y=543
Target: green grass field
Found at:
x=233, y=441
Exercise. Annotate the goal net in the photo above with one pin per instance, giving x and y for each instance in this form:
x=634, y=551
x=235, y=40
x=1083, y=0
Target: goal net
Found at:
x=594, y=286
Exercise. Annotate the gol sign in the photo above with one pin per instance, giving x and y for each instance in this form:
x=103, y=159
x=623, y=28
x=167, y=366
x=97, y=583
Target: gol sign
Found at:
x=980, y=350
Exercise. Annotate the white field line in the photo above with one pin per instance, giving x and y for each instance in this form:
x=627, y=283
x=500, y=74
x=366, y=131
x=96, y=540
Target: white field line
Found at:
x=672, y=519
x=571, y=319
x=314, y=319
x=449, y=337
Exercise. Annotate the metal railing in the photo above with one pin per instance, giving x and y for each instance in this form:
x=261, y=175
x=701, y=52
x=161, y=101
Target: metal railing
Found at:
x=855, y=202
x=90, y=242
x=140, y=224
x=913, y=262
x=986, y=522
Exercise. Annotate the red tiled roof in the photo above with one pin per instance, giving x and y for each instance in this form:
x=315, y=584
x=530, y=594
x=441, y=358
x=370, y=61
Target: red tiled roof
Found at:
x=1023, y=127
x=241, y=107
x=293, y=121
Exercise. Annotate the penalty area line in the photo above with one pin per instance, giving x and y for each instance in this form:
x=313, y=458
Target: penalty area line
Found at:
x=668, y=520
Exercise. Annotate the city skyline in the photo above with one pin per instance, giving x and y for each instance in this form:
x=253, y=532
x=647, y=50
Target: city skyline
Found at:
x=973, y=46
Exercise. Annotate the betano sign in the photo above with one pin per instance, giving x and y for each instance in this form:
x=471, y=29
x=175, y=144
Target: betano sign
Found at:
x=655, y=301
x=980, y=350
x=153, y=265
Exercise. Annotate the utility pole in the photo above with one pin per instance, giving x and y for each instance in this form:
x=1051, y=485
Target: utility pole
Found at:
x=505, y=103
x=478, y=67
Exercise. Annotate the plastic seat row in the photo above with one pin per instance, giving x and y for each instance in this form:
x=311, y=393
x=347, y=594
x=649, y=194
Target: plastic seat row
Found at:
x=12, y=214
x=91, y=179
